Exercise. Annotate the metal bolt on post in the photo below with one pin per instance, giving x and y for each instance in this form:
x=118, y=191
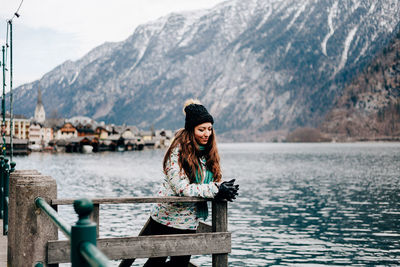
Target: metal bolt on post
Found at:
x=83, y=231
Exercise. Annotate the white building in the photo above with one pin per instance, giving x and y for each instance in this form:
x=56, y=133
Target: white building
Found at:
x=40, y=135
x=47, y=134
x=67, y=131
x=20, y=126
x=35, y=137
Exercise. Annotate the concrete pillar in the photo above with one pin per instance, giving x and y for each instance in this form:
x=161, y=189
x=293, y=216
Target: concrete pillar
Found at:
x=29, y=228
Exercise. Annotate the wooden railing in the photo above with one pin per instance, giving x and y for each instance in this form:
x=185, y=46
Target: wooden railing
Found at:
x=33, y=237
x=214, y=239
x=81, y=236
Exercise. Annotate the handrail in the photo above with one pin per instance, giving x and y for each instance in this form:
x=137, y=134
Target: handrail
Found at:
x=2, y=166
x=53, y=215
x=130, y=200
x=219, y=222
x=129, y=248
x=82, y=235
x=5, y=170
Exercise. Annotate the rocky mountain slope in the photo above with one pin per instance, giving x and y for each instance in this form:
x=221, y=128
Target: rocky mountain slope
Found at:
x=258, y=65
x=369, y=108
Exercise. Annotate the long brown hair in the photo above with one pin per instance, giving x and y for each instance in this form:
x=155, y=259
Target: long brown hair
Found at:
x=189, y=152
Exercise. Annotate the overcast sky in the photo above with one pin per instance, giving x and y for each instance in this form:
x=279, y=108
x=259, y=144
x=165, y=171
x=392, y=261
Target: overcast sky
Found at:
x=49, y=32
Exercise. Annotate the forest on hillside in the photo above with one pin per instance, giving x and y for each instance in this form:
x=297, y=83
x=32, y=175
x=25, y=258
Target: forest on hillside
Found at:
x=369, y=108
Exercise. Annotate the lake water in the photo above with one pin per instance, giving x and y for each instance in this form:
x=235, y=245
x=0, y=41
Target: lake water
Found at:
x=299, y=204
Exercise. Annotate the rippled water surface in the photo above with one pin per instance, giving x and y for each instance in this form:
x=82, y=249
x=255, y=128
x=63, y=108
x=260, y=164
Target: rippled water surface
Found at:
x=299, y=204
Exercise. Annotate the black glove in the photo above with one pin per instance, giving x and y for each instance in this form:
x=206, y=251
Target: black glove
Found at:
x=228, y=190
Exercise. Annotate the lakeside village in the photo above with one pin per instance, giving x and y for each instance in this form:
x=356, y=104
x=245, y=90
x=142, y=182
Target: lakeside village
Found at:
x=77, y=134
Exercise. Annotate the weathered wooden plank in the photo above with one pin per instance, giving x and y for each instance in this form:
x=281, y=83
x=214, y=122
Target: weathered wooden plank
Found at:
x=128, y=200
x=219, y=216
x=202, y=228
x=220, y=260
x=149, y=246
x=219, y=224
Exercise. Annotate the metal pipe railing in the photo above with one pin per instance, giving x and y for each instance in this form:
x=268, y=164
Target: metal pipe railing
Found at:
x=5, y=170
x=82, y=235
x=57, y=220
x=2, y=165
x=11, y=92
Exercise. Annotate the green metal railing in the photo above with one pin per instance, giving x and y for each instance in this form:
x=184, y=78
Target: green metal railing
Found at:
x=3, y=103
x=2, y=191
x=82, y=235
x=11, y=91
x=5, y=170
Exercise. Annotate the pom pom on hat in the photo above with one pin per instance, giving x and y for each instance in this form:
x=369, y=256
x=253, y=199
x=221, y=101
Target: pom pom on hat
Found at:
x=196, y=114
x=189, y=102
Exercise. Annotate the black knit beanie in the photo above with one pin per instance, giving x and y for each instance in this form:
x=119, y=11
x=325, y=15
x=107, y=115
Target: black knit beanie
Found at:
x=196, y=114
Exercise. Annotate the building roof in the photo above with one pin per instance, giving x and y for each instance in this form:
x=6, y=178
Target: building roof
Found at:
x=122, y=128
x=146, y=133
x=113, y=137
x=16, y=116
x=82, y=120
x=54, y=123
x=16, y=140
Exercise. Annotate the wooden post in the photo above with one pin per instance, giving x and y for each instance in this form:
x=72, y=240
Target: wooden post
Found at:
x=16, y=175
x=29, y=228
x=95, y=217
x=220, y=224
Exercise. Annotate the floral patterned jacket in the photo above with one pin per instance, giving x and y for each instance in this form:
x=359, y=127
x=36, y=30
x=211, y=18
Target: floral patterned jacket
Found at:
x=176, y=183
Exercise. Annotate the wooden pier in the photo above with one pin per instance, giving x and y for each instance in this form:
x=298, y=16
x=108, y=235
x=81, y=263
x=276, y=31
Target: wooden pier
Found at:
x=3, y=248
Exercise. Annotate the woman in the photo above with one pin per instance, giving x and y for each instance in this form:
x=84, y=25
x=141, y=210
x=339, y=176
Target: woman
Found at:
x=191, y=168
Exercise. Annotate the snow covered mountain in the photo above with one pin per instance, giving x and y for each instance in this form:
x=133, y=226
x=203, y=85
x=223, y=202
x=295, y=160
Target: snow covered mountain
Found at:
x=258, y=65
x=369, y=107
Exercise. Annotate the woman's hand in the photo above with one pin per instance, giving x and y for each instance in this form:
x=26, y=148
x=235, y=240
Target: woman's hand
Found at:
x=228, y=190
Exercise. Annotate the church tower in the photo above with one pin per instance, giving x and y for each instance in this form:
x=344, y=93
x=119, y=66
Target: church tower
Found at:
x=40, y=114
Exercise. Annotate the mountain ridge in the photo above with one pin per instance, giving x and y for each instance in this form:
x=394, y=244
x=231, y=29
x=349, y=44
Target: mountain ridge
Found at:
x=258, y=66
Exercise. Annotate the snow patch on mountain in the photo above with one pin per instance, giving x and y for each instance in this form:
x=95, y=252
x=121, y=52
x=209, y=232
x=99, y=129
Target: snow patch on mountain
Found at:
x=296, y=15
x=346, y=46
x=332, y=13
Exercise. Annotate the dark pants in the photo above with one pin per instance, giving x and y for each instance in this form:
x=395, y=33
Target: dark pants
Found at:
x=160, y=229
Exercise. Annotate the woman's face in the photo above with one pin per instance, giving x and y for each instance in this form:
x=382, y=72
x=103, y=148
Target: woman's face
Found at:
x=202, y=132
